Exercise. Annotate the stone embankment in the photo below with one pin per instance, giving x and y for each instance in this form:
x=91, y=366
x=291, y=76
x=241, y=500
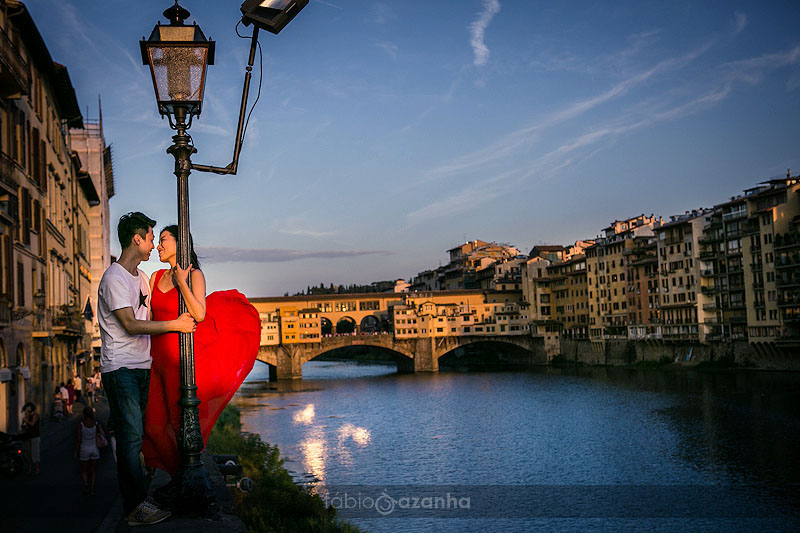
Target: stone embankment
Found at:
x=617, y=352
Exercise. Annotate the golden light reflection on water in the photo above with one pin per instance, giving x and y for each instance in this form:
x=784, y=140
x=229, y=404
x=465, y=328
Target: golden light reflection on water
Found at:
x=314, y=455
x=360, y=435
x=306, y=416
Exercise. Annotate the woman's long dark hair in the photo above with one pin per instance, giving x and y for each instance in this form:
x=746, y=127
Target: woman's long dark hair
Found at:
x=173, y=230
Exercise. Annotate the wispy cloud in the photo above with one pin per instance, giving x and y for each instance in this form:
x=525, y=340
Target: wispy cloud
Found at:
x=225, y=254
x=477, y=30
x=739, y=23
x=327, y=4
x=523, y=137
x=669, y=105
x=307, y=232
x=389, y=48
x=380, y=13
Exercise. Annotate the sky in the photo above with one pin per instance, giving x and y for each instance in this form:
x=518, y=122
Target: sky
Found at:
x=388, y=132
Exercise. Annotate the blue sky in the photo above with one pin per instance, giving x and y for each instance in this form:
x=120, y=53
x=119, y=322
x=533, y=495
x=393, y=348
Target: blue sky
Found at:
x=388, y=132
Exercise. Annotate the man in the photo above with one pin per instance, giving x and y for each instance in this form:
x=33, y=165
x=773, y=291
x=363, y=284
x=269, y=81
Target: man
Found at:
x=65, y=398
x=125, y=329
x=76, y=382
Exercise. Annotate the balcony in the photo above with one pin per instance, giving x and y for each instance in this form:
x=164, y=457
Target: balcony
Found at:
x=733, y=215
x=14, y=78
x=708, y=289
x=708, y=255
x=788, y=281
x=709, y=239
x=68, y=322
x=710, y=307
x=756, y=267
x=787, y=261
x=707, y=273
x=8, y=168
x=787, y=241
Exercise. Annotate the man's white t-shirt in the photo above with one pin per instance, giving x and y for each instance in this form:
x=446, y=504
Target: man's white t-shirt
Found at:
x=120, y=289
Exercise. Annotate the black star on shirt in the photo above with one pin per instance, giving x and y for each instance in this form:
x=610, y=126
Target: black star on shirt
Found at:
x=142, y=299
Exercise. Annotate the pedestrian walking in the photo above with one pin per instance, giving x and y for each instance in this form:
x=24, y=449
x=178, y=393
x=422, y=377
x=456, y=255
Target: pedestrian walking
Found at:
x=30, y=429
x=88, y=440
x=70, y=396
x=125, y=329
x=58, y=405
x=78, y=384
x=65, y=398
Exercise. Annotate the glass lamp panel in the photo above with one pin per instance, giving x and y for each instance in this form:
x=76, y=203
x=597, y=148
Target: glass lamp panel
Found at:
x=275, y=4
x=178, y=72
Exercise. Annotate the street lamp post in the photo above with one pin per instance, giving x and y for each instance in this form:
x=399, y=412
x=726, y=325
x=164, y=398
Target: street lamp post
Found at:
x=178, y=56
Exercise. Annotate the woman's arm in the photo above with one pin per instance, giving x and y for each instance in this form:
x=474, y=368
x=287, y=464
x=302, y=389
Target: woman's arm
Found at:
x=152, y=286
x=195, y=298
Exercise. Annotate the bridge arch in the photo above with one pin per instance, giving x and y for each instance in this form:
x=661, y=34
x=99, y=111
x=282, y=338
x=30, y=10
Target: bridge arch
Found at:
x=326, y=326
x=503, y=350
x=370, y=324
x=345, y=325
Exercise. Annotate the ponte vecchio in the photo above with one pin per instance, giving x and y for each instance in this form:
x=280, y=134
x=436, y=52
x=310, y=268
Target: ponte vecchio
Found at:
x=418, y=328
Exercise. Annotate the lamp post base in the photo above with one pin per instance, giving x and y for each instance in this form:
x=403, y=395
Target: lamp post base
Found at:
x=189, y=493
x=194, y=494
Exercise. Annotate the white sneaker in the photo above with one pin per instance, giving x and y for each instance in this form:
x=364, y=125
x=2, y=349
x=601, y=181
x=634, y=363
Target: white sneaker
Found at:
x=147, y=513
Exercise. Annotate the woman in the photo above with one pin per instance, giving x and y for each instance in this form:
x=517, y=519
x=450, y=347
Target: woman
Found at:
x=225, y=344
x=58, y=405
x=30, y=429
x=86, y=449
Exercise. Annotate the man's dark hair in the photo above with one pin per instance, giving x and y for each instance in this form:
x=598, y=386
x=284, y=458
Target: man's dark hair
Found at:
x=131, y=224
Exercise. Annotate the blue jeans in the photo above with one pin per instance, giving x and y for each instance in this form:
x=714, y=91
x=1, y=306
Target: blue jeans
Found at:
x=126, y=390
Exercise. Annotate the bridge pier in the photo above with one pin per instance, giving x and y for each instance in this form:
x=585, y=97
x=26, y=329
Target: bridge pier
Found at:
x=425, y=356
x=290, y=364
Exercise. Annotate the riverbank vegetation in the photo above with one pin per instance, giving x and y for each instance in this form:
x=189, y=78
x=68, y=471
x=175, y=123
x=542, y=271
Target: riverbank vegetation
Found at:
x=276, y=503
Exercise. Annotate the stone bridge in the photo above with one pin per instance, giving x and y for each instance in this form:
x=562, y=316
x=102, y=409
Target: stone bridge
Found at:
x=413, y=355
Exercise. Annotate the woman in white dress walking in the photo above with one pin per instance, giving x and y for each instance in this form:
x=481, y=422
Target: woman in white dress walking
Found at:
x=86, y=450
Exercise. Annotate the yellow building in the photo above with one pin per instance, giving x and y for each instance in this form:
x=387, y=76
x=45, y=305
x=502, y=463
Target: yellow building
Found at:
x=570, y=296
x=44, y=274
x=771, y=248
x=270, y=329
x=309, y=327
x=456, y=313
x=644, y=302
x=685, y=310
x=606, y=272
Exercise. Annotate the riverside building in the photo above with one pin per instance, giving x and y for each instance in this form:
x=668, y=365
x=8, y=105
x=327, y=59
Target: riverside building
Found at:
x=46, y=198
x=685, y=313
x=606, y=274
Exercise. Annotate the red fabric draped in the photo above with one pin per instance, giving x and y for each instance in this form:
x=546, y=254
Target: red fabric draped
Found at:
x=225, y=344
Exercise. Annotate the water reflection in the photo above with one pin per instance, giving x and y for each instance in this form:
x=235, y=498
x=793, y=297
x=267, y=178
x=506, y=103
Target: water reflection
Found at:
x=566, y=427
x=314, y=453
x=306, y=416
x=359, y=435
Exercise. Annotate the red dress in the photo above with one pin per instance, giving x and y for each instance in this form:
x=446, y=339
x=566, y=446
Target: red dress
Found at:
x=225, y=345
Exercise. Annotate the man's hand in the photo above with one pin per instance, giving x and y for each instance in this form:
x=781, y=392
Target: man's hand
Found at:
x=185, y=323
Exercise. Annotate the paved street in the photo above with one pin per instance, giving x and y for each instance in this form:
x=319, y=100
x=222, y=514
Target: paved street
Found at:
x=53, y=500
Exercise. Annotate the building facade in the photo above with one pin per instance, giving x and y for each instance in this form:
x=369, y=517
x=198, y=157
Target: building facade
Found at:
x=45, y=224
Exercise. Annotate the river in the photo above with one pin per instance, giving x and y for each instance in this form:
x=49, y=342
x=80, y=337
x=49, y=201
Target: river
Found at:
x=544, y=449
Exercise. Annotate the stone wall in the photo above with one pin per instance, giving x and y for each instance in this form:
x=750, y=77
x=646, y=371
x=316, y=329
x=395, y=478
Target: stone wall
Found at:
x=622, y=352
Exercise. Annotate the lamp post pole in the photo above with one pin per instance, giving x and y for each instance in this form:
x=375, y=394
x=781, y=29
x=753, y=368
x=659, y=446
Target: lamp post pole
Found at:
x=194, y=488
x=178, y=55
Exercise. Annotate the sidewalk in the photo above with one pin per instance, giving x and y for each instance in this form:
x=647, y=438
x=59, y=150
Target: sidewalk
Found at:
x=54, y=501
